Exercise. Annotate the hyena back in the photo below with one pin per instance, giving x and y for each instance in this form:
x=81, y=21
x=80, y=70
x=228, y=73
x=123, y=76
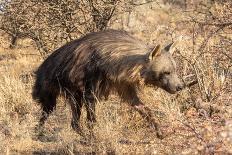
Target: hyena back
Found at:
x=95, y=65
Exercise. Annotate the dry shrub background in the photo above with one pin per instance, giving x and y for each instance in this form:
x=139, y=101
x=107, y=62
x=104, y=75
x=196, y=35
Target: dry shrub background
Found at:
x=199, y=119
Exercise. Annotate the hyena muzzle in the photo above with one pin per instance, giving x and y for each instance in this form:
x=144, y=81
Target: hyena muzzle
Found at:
x=100, y=63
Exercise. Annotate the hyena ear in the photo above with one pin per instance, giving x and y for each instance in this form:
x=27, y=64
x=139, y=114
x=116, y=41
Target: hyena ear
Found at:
x=155, y=52
x=171, y=47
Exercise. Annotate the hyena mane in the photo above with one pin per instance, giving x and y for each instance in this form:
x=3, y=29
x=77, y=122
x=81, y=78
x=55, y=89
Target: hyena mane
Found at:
x=98, y=61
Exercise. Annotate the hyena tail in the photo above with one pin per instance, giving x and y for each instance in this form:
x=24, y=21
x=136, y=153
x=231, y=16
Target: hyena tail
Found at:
x=36, y=90
x=46, y=97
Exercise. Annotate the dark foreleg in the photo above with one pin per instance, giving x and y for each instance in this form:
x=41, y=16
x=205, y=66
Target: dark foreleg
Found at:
x=128, y=94
x=76, y=106
x=146, y=113
x=90, y=108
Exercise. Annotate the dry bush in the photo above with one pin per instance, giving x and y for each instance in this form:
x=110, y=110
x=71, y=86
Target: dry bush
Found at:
x=208, y=58
x=53, y=23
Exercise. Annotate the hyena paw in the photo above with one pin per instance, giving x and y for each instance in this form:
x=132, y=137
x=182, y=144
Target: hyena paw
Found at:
x=159, y=134
x=76, y=127
x=164, y=132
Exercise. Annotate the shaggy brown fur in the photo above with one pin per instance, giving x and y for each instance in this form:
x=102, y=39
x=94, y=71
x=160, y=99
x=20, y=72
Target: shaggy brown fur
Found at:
x=95, y=65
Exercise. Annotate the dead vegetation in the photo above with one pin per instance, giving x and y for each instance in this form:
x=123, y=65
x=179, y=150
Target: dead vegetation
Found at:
x=198, y=119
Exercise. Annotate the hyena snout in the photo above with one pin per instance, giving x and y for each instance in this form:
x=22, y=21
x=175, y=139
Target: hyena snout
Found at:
x=174, y=85
x=179, y=87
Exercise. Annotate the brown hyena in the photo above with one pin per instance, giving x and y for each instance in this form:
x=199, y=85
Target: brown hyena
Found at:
x=95, y=65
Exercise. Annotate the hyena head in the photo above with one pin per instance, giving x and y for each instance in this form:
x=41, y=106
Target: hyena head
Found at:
x=161, y=69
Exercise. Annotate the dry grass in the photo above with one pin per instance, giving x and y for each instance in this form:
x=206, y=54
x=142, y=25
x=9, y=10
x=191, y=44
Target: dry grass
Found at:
x=119, y=129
